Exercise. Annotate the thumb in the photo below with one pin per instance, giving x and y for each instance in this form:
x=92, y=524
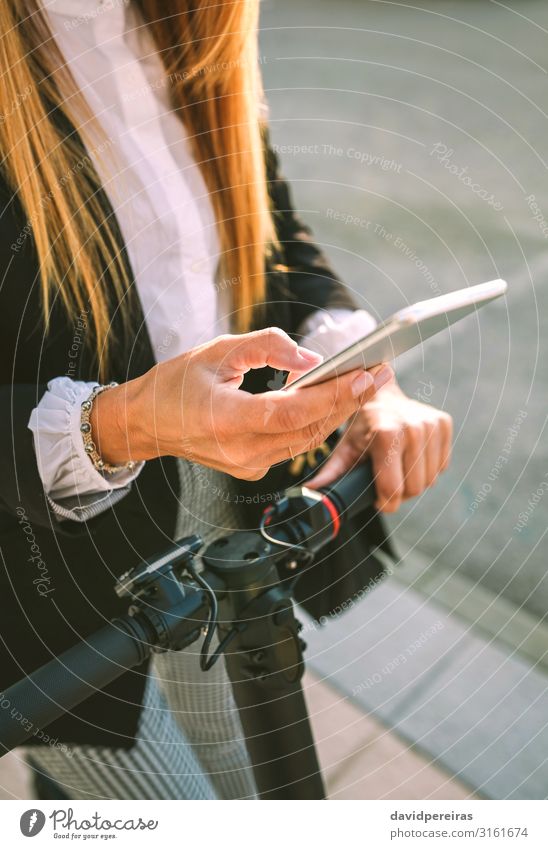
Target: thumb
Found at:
x=337, y=464
x=269, y=347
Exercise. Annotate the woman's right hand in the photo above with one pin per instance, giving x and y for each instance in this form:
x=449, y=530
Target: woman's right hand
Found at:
x=191, y=406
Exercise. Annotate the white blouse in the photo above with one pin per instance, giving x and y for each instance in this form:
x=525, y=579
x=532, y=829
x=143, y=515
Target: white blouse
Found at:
x=167, y=222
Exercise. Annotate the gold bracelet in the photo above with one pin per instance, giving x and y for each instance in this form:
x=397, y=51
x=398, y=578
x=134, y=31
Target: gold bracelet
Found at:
x=89, y=445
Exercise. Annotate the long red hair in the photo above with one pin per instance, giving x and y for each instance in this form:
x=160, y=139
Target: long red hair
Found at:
x=209, y=51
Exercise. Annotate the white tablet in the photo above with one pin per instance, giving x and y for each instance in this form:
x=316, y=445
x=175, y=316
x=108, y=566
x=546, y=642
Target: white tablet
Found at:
x=404, y=330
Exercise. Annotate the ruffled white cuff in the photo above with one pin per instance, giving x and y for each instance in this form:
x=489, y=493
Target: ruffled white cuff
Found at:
x=328, y=331
x=75, y=489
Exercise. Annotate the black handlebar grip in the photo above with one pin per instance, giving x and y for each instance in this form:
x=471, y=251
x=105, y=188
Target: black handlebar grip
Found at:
x=353, y=492
x=33, y=703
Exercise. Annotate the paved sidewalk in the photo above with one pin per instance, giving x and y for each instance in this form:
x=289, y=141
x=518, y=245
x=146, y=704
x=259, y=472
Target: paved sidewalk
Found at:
x=361, y=759
x=14, y=782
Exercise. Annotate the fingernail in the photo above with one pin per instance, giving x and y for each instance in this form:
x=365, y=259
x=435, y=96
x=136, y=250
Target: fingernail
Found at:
x=383, y=376
x=309, y=356
x=360, y=383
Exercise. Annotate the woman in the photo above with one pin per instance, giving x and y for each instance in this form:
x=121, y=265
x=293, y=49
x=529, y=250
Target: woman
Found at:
x=148, y=240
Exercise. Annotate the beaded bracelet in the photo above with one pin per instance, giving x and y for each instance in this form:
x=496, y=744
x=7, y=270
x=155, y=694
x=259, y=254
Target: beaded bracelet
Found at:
x=89, y=445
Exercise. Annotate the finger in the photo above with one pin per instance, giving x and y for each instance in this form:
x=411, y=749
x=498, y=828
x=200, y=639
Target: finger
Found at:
x=414, y=460
x=446, y=440
x=373, y=371
x=432, y=452
x=260, y=348
x=386, y=452
x=251, y=449
x=339, y=397
x=272, y=448
x=275, y=448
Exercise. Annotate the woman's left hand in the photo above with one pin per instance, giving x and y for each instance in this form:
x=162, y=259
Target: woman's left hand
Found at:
x=408, y=442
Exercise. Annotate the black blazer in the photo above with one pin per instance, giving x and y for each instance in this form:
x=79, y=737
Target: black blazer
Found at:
x=79, y=562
